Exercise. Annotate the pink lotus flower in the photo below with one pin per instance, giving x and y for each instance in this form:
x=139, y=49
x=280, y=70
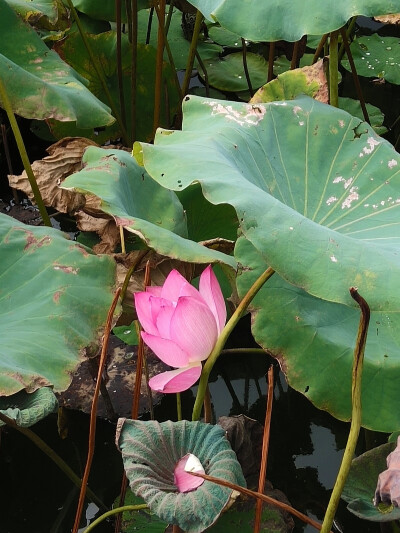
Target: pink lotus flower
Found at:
x=181, y=325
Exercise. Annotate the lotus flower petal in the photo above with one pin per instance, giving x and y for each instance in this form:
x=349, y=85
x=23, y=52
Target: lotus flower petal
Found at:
x=154, y=290
x=144, y=312
x=184, y=481
x=176, y=286
x=193, y=328
x=166, y=350
x=211, y=292
x=176, y=380
x=151, y=451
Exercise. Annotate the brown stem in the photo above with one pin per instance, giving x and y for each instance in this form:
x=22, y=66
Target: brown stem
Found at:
x=271, y=57
x=265, y=445
x=355, y=75
x=293, y=63
x=93, y=413
x=263, y=497
x=319, y=48
x=246, y=68
x=135, y=403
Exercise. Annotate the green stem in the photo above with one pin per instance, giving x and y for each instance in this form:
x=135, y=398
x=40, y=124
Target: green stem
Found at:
x=54, y=457
x=113, y=512
x=100, y=75
x=241, y=308
x=333, y=70
x=355, y=413
x=179, y=406
x=24, y=156
x=192, y=50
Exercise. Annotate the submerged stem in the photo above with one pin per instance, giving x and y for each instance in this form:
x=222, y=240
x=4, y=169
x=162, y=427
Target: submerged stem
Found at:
x=355, y=413
x=241, y=308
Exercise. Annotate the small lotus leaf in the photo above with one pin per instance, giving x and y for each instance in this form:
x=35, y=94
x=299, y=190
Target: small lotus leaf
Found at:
x=227, y=73
x=27, y=409
x=151, y=450
x=376, y=56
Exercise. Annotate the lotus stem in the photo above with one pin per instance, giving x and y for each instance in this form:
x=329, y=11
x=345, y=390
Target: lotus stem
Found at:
x=100, y=75
x=355, y=413
x=51, y=454
x=241, y=308
x=178, y=406
x=192, y=49
x=333, y=70
x=259, y=496
x=246, y=68
x=113, y=512
x=134, y=51
x=159, y=65
x=24, y=156
x=93, y=412
x=355, y=76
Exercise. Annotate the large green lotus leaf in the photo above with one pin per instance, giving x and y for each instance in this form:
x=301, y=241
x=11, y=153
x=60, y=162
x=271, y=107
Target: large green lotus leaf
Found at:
x=361, y=483
x=54, y=296
x=316, y=191
x=104, y=46
x=28, y=408
x=376, y=56
x=105, y=10
x=39, y=84
x=47, y=14
x=138, y=203
x=178, y=44
x=227, y=73
x=288, y=19
x=150, y=452
x=314, y=342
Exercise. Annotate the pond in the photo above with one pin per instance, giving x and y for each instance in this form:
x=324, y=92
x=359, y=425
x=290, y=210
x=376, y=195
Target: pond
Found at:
x=306, y=446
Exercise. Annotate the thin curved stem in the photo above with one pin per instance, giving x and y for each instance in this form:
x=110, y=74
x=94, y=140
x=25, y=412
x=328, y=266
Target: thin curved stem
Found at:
x=24, y=156
x=241, y=308
x=355, y=413
x=113, y=512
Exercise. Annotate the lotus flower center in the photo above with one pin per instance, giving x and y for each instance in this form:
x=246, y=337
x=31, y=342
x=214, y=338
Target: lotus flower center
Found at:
x=186, y=482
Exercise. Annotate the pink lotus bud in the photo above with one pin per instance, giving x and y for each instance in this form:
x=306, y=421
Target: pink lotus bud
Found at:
x=181, y=326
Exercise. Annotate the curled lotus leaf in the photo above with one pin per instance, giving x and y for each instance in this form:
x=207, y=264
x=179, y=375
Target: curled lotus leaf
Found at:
x=27, y=409
x=151, y=451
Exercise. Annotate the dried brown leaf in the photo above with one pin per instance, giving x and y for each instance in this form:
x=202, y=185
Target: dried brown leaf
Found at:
x=389, y=19
x=65, y=158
